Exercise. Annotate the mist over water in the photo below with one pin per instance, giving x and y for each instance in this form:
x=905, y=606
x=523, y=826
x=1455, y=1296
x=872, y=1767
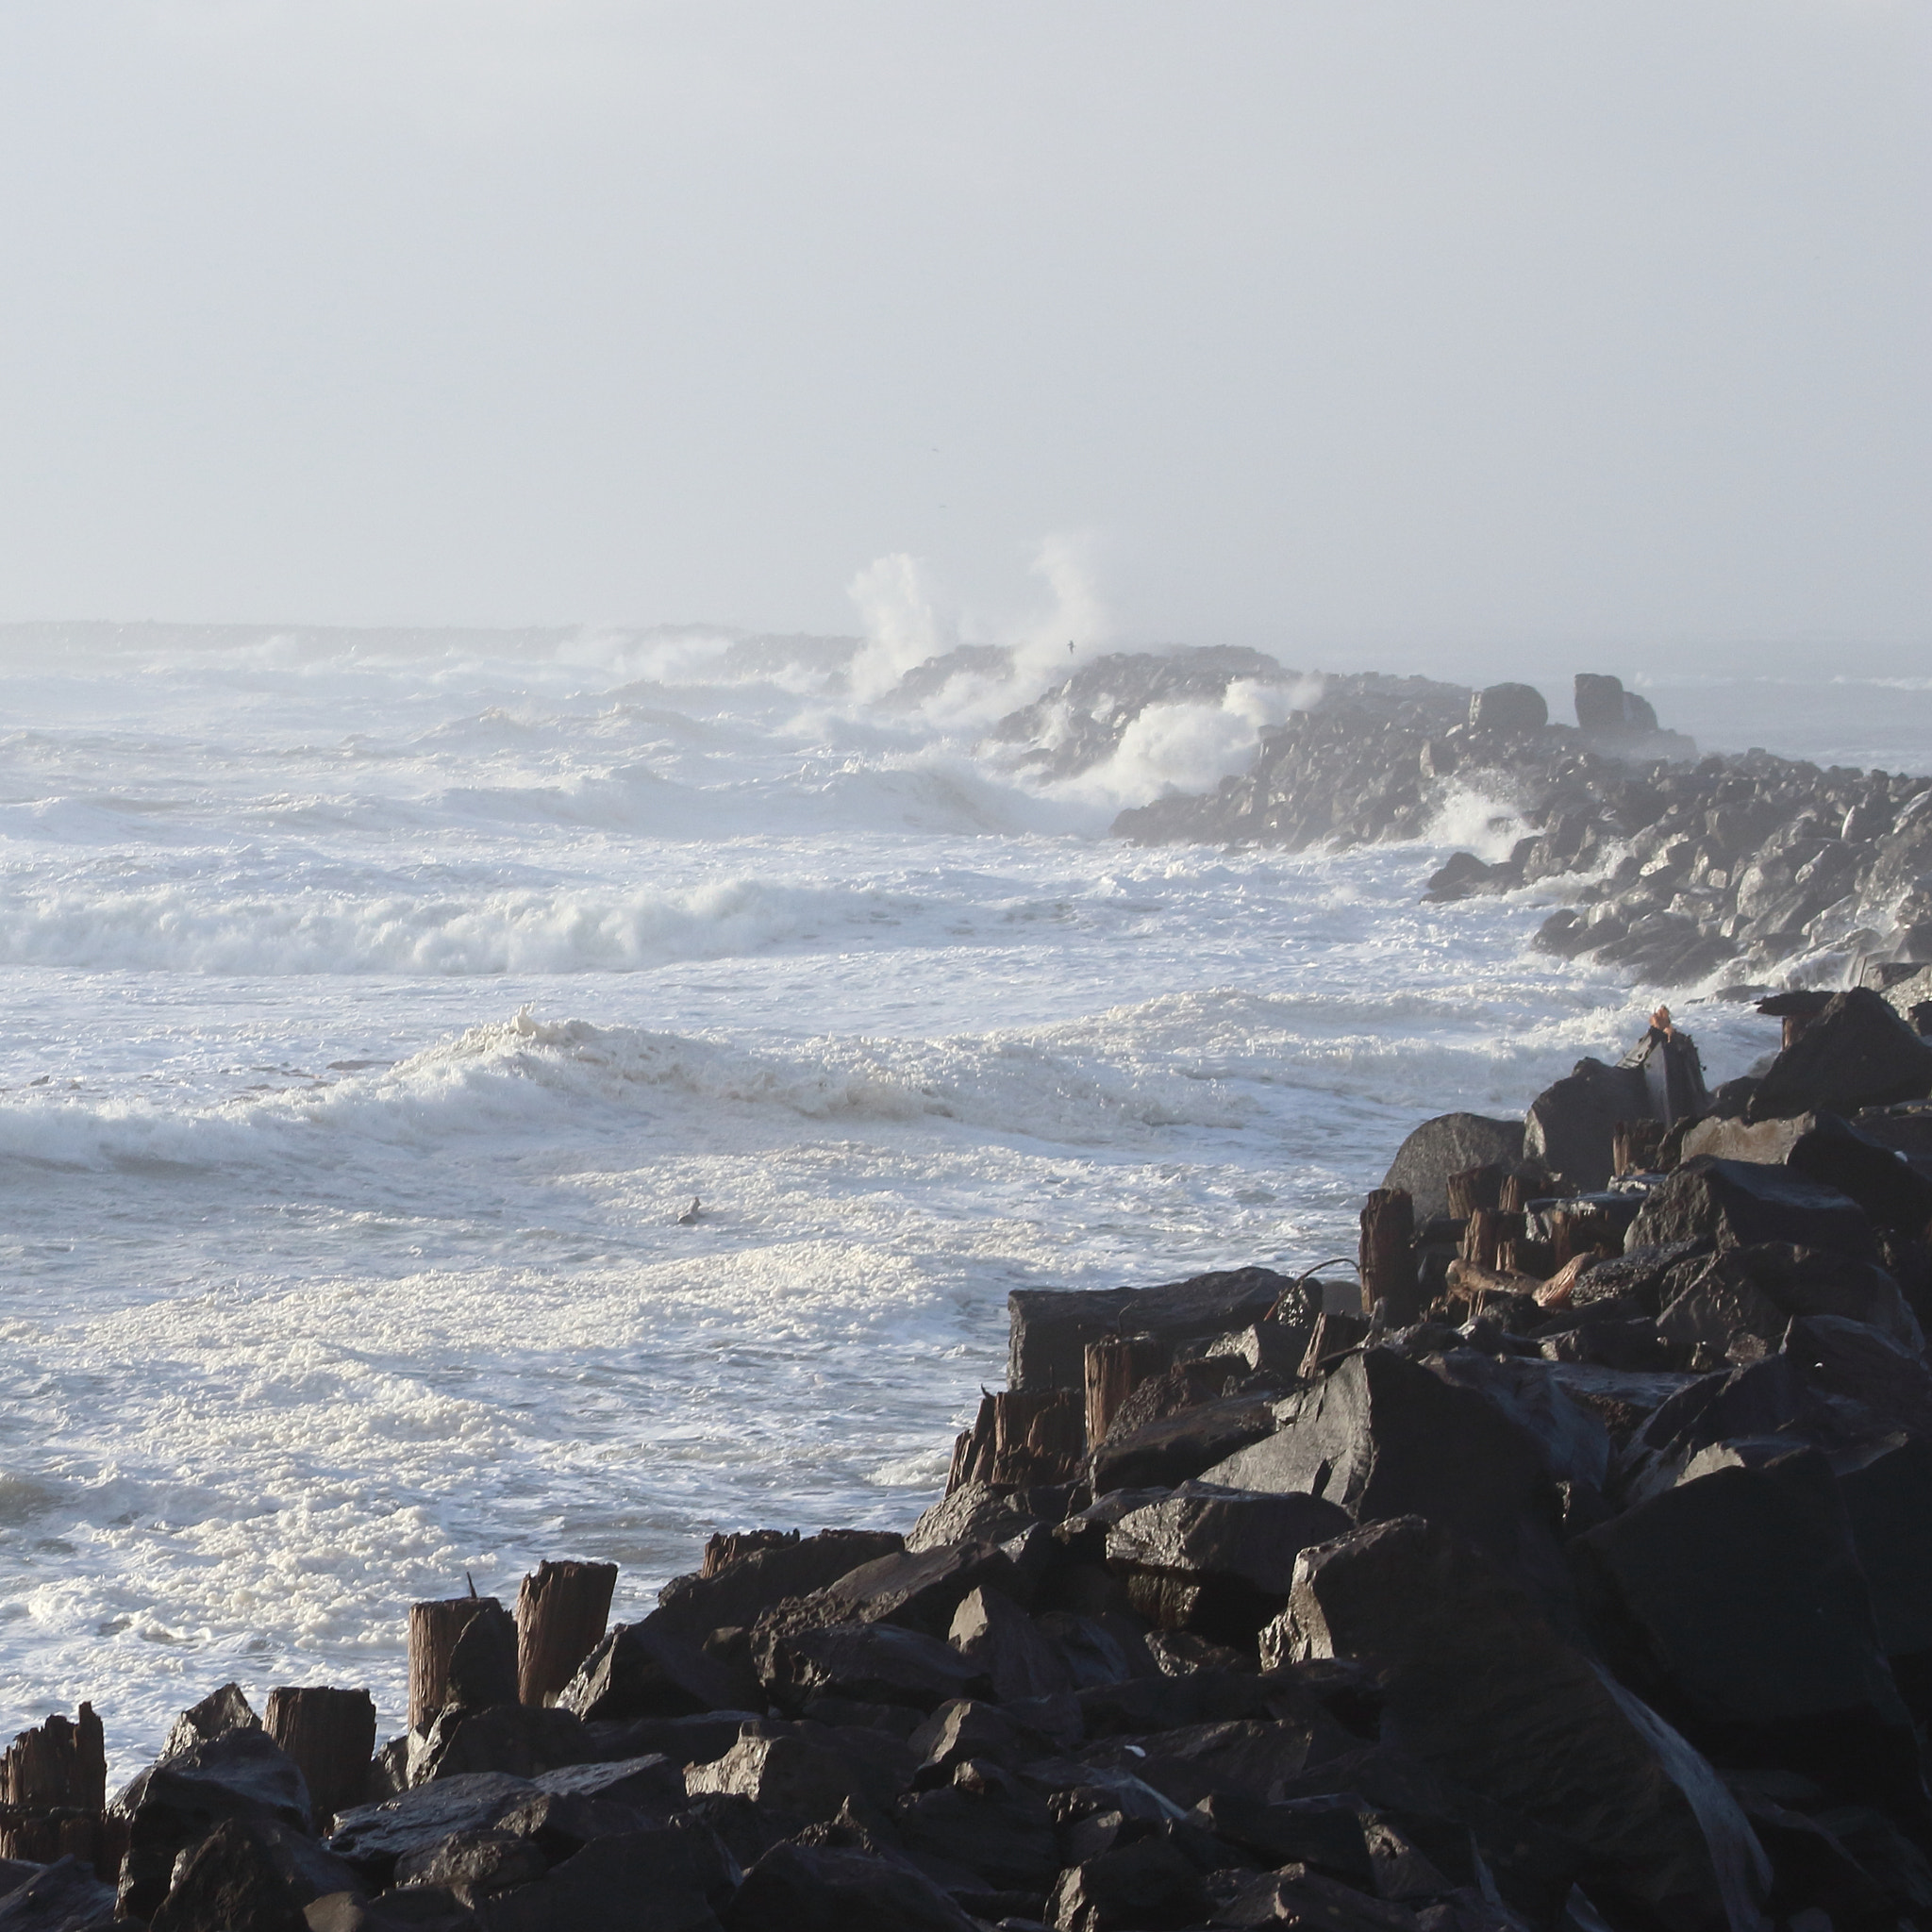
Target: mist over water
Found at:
x=380, y=1001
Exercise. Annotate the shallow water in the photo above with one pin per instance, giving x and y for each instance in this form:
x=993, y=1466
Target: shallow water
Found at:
x=379, y=1005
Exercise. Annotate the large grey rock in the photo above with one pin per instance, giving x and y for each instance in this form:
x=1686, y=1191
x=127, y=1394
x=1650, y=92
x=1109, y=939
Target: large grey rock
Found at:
x=1449, y=1144
x=661, y=1878
x=1480, y=1687
x=1176, y=1447
x=1001, y=1643
x=1888, y=1500
x=783, y=1773
x=372, y=1837
x=1736, y=1606
x=1856, y=1053
x=1051, y=1328
x=871, y=1663
x=797, y=1887
x=66, y=1896
x=1509, y=708
x=1739, y=1203
x=230, y=1882
x=739, y=1591
x=1570, y=1127
x=648, y=1669
x=518, y=1739
x=227, y=1709
x=1836, y=1154
x=1381, y=1437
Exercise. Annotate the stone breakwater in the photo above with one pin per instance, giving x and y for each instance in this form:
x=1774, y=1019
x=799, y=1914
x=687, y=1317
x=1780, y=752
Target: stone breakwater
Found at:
x=1563, y=1562
x=1677, y=870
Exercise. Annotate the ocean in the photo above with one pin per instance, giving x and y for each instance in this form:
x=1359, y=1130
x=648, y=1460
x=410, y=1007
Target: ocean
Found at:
x=380, y=1003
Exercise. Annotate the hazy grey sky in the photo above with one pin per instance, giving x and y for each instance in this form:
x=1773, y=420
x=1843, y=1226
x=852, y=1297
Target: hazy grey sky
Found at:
x=1352, y=326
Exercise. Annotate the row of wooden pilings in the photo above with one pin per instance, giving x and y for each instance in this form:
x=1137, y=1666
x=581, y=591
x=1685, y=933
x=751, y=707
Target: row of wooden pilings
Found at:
x=467, y=1648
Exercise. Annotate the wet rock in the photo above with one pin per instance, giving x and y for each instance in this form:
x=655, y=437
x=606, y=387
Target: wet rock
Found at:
x=738, y=1588
x=229, y=1882
x=822, y=1889
x=1171, y=1451
x=472, y=1865
x=1735, y=1603
x=1250, y=1755
x=1001, y=1644
x=1300, y=1897
x=1451, y=1143
x=920, y=1590
x=975, y=1512
x=1146, y=1883
x=649, y=1782
x=665, y=1878
x=971, y=1729
x=1324, y=1833
x=239, y=1774
x=421, y=1908
x=784, y=1773
x=516, y=1739
x=65, y=1896
x=227, y=1709
x=1218, y=1560
x=649, y=1670
x=483, y=1664
x=1856, y=1053
x=1852, y=1362
x=1050, y=1328
x=1483, y=1691
x=1738, y=1203
x=1833, y=1153
x=1888, y=1500
x=1380, y=1436
x=872, y=1663
x=1570, y=1128
x=985, y=1823
x=372, y=1838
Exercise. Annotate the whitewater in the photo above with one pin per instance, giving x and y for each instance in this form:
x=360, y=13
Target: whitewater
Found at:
x=379, y=1004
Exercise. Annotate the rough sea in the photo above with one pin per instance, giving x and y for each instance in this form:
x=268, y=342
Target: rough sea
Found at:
x=378, y=1005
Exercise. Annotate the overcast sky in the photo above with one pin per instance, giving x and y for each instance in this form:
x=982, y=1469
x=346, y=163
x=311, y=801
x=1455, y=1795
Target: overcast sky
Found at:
x=1355, y=328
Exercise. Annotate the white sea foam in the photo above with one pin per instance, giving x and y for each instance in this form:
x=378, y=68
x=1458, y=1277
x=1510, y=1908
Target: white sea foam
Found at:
x=380, y=1002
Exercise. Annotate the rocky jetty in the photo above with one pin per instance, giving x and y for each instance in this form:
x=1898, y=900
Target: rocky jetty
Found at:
x=1571, y=1568
x=1749, y=871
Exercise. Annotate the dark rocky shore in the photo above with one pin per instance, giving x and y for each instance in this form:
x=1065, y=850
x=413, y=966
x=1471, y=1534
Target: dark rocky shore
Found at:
x=1565, y=1563
x=1675, y=868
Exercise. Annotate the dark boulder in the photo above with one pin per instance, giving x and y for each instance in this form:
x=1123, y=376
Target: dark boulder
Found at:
x=738, y=1589
x=65, y=1896
x=1003, y=1735
x=520, y=1739
x=482, y=1670
x=1735, y=1605
x=665, y=1878
x=648, y=1783
x=1300, y=1897
x=1000, y=1644
x=975, y=1512
x=985, y=1822
x=1570, y=1127
x=1481, y=1690
x=794, y=1778
x=1380, y=1436
x=1836, y=1154
x=1179, y=1447
x=1451, y=1143
x=229, y=1882
x=1051, y=1328
x=1507, y=708
x=1856, y=1053
x=1888, y=1500
x=797, y=1887
x=420, y=1909
x=372, y=1838
x=1326, y=1833
x=1249, y=1754
x=238, y=1774
x=227, y=1709
x=920, y=1590
x=1738, y=1203
x=1146, y=1883
x=872, y=1663
x=471, y=1865
x=1218, y=1560
x=649, y=1670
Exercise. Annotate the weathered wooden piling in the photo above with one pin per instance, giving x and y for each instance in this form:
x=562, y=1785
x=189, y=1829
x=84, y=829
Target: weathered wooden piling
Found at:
x=562, y=1608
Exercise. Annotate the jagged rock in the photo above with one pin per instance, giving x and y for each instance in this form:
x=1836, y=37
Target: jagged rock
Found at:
x=1179, y=1447
x=1251, y=1754
x=875, y=1663
x=1856, y=1053
x=648, y=1669
x=1852, y=1361
x=1008, y=1737
x=1218, y=1560
x=782, y=1772
x=1186, y=1385
x=1381, y=1437
x=519, y=1739
x=65, y=1896
x=1831, y=1152
x=1480, y=1688
x=1570, y=1127
x=1736, y=1606
x=227, y=1709
x=229, y=1882
x=744, y=1586
x=664, y=1878
x=649, y=1783
x=1738, y=1203
x=985, y=1822
x=1778, y=1281
x=561, y=1823
x=1146, y=1883
x=822, y=1889
x=372, y=1838
x=1326, y=1833
x=238, y=1774
x=482, y=1667
x=1451, y=1143
x=920, y=1590
x=975, y=1512
x=999, y=1641
x=1300, y=1897
x=1888, y=1500
x=471, y=1865
x=421, y=1908
x=1050, y=1328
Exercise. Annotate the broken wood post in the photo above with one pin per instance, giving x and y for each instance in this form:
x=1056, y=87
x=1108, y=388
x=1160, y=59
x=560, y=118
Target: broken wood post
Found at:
x=60, y=1764
x=972, y=1451
x=1635, y=1146
x=1115, y=1367
x=1474, y=1187
x=1482, y=1235
x=1387, y=1256
x=1334, y=1336
x=561, y=1610
x=434, y=1629
x=1036, y=1438
x=331, y=1736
